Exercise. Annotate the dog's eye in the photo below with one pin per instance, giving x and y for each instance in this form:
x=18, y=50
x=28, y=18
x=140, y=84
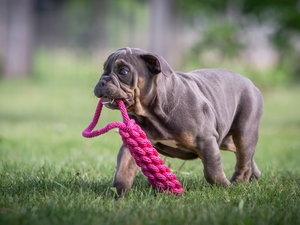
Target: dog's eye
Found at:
x=123, y=72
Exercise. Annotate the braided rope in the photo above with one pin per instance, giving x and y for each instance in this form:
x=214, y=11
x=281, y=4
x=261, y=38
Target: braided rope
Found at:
x=141, y=149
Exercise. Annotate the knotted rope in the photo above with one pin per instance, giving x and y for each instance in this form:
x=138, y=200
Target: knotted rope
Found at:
x=141, y=149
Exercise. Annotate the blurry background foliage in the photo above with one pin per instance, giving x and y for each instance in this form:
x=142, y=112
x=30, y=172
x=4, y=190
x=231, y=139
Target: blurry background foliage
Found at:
x=259, y=39
x=227, y=22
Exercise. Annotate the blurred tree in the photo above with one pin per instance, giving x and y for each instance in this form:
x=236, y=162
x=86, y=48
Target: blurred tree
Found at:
x=17, y=36
x=160, y=16
x=3, y=29
x=101, y=8
x=221, y=38
x=238, y=14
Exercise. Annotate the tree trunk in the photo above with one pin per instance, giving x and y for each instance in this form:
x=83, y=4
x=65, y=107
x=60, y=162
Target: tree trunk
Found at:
x=3, y=29
x=18, y=37
x=164, y=30
x=159, y=27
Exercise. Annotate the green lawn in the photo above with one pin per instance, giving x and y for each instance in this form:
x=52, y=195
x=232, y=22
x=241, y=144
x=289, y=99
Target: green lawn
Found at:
x=50, y=174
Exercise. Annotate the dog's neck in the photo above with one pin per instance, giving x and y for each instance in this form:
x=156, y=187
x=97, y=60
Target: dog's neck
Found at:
x=153, y=112
x=152, y=101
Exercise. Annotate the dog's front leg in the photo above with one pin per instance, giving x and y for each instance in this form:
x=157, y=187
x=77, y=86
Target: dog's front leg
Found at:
x=126, y=171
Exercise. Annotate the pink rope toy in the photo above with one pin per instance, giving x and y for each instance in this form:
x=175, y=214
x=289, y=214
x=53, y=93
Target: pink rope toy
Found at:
x=140, y=148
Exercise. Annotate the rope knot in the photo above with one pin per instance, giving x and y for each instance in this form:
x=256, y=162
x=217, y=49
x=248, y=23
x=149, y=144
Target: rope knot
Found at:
x=130, y=125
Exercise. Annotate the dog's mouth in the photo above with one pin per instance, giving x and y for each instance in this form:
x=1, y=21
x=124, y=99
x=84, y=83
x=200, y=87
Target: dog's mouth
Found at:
x=112, y=103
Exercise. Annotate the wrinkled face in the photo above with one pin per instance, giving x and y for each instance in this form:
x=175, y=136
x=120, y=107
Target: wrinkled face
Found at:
x=130, y=75
x=123, y=77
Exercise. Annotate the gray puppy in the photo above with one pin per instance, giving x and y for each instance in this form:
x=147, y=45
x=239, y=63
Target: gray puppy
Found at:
x=185, y=115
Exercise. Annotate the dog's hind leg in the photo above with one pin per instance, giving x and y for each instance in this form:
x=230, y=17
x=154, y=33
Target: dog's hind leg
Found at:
x=255, y=171
x=227, y=144
x=245, y=136
x=245, y=165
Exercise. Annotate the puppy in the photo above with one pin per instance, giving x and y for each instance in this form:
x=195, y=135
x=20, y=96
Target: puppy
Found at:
x=185, y=115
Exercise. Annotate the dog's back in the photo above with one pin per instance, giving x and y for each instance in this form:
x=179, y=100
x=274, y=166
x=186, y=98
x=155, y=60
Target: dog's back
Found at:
x=229, y=94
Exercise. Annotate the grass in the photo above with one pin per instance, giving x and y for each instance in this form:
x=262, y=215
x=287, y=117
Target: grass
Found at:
x=50, y=174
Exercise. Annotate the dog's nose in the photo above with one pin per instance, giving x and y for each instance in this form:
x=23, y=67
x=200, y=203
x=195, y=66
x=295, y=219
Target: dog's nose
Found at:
x=97, y=92
x=102, y=83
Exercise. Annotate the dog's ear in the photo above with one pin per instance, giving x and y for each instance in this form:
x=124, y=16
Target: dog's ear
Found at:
x=157, y=64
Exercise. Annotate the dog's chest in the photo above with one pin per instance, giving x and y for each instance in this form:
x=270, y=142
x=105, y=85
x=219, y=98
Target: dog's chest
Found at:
x=169, y=143
x=173, y=149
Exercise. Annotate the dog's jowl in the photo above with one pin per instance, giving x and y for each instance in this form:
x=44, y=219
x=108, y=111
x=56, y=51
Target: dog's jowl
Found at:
x=185, y=115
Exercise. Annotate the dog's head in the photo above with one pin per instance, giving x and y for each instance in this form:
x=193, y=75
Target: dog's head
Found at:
x=132, y=75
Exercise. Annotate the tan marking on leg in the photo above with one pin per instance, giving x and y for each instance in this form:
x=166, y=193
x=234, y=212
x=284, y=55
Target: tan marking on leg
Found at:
x=185, y=139
x=228, y=144
x=243, y=167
